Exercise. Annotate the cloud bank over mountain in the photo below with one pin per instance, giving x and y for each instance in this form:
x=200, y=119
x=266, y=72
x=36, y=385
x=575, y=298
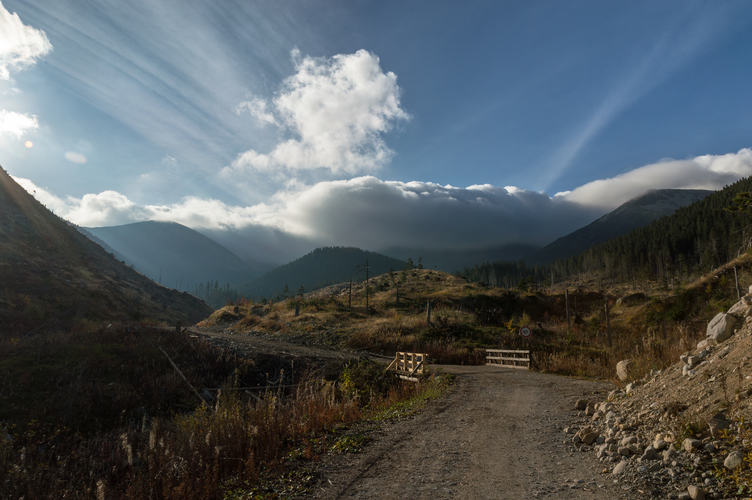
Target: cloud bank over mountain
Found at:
x=375, y=214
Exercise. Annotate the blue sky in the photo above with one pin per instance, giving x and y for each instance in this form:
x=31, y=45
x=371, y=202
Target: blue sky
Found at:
x=400, y=121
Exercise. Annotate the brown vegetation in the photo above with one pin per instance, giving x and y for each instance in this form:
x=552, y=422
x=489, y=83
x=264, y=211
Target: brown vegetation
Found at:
x=103, y=414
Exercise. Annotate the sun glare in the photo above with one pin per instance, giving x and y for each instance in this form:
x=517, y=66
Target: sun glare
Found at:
x=29, y=144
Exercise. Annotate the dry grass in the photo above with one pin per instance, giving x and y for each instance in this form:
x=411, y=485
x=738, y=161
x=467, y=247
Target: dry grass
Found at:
x=469, y=317
x=152, y=447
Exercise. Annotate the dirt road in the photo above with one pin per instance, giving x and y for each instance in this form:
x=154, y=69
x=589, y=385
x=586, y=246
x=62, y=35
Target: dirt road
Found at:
x=498, y=435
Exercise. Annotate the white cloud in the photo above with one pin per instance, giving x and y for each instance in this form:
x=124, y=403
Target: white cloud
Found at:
x=336, y=109
x=701, y=172
x=169, y=160
x=74, y=157
x=20, y=45
x=16, y=124
x=257, y=107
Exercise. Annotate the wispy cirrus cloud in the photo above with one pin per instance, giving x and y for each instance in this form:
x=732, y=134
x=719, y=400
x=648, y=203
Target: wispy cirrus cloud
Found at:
x=679, y=44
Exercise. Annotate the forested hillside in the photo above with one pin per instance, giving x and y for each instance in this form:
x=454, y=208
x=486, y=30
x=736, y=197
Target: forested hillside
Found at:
x=320, y=268
x=634, y=214
x=693, y=240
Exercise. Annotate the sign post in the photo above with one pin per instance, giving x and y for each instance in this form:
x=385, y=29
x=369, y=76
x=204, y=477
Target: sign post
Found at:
x=525, y=332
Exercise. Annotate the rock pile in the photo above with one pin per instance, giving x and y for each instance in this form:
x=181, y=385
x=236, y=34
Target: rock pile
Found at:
x=674, y=430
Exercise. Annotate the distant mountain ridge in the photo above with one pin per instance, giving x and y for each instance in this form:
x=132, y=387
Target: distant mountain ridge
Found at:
x=173, y=254
x=634, y=214
x=322, y=267
x=52, y=274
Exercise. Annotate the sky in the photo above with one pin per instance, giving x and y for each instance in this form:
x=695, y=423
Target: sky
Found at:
x=277, y=127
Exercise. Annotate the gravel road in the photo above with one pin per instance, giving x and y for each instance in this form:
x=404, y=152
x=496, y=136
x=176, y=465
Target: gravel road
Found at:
x=497, y=435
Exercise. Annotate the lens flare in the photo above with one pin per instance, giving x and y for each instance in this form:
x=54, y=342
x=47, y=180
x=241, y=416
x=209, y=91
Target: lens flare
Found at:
x=29, y=144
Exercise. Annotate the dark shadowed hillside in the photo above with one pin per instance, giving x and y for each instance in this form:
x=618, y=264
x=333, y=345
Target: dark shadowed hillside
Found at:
x=632, y=215
x=49, y=269
x=320, y=268
x=174, y=255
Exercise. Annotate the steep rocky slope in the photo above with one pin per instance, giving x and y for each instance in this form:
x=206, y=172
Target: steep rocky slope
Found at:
x=680, y=432
x=51, y=272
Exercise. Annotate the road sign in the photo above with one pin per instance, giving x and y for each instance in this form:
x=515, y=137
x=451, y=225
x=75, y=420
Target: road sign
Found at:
x=525, y=331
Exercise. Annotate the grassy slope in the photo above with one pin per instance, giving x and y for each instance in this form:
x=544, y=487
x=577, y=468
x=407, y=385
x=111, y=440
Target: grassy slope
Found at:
x=654, y=327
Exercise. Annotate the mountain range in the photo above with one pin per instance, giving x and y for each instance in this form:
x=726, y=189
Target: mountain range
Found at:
x=182, y=258
x=174, y=255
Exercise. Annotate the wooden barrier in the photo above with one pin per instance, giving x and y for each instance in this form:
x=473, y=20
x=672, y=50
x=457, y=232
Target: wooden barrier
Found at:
x=509, y=359
x=409, y=364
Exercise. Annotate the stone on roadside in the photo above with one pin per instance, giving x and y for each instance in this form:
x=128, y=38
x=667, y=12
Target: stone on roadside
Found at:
x=734, y=460
x=581, y=404
x=622, y=369
x=669, y=454
x=590, y=410
x=630, y=387
x=720, y=327
x=590, y=438
x=629, y=440
x=649, y=454
x=659, y=444
x=738, y=309
x=696, y=493
x=620, y=468
x=691, y=445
